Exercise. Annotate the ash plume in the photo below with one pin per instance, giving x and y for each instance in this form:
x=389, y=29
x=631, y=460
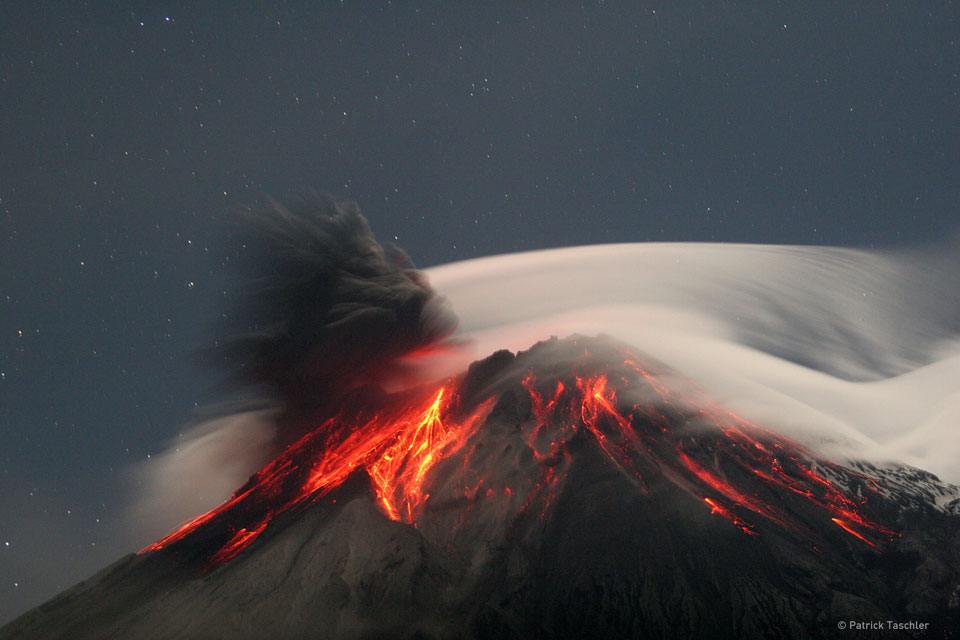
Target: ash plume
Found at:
x=320, y=309
x=323, y=307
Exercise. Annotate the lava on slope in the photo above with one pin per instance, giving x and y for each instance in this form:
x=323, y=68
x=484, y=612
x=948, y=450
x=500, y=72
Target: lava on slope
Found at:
x=429, y=450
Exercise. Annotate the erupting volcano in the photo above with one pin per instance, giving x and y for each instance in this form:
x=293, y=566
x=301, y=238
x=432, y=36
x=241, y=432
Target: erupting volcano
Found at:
x=575, y=489
x=423, y=446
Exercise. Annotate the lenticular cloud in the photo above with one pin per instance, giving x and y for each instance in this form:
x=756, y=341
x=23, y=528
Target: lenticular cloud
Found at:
x=854, y=352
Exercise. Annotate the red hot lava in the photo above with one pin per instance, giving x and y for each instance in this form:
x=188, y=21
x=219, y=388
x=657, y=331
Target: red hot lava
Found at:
x=713, y=454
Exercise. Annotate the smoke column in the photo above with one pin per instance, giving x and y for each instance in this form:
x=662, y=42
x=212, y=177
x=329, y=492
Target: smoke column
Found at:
x=320, y=310
x=321, y=307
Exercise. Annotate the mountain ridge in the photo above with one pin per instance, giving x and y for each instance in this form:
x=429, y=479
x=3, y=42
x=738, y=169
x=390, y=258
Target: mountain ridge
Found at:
x=586, y=499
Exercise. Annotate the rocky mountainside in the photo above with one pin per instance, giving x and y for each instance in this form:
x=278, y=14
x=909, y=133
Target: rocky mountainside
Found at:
x=574, y=490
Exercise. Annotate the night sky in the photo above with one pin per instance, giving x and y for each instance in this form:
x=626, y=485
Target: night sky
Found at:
x=461, y=131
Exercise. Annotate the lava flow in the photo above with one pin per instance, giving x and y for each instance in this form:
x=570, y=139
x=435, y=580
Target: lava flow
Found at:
x=397, y=447
x=718, y=459
x=735, y=469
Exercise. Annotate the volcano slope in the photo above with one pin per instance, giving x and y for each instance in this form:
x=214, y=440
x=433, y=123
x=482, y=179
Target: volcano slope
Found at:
x=574, y=490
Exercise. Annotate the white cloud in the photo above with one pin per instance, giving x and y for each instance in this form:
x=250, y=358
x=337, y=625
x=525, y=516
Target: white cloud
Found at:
x=852, y=351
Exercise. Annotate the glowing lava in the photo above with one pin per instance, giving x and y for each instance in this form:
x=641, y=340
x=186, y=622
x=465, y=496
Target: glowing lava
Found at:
x=397, y=447
x=399, y=472
x=735, y=469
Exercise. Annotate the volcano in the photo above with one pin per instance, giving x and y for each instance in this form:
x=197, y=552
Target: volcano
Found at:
x=574, y=490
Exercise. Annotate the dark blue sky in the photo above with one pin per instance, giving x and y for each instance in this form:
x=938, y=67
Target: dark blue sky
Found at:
x=462, y=131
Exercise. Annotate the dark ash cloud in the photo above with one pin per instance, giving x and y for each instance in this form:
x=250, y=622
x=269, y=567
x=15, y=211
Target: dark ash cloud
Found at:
x=323, y=308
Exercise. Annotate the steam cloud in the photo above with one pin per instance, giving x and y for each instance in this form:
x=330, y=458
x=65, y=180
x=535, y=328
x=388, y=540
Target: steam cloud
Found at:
x=854, y=353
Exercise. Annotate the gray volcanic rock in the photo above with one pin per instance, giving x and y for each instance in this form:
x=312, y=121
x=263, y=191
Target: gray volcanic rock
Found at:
x=589, y=538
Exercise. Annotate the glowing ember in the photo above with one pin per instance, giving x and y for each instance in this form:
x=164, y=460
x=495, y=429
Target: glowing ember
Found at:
x=718, y=508
x=734, y=468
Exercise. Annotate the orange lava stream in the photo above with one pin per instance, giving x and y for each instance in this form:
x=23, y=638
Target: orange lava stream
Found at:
x=399, y=473
x=779, y=463
x=726, y=513
x=398, y=449
x=719, y=459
